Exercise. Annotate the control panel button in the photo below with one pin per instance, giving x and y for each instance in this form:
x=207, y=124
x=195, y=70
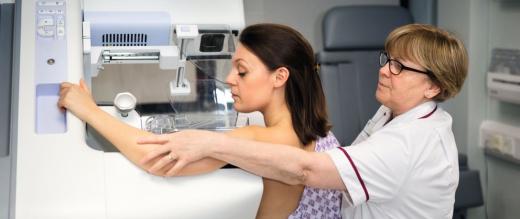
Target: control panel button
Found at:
x=45, y=33
x=60, y=31
x=51, y=3
x=46, y=21
x=60, y=20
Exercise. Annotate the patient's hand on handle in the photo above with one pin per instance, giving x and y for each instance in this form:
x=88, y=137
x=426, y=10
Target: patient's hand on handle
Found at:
x=77, y=99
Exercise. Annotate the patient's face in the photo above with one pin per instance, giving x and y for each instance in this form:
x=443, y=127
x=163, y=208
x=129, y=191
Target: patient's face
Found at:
x=250, y=81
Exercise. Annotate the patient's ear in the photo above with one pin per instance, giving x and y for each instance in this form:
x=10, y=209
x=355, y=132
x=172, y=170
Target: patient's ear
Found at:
x=281, y=75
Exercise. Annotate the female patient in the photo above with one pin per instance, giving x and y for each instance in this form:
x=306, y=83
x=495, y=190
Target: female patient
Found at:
x=273, y=72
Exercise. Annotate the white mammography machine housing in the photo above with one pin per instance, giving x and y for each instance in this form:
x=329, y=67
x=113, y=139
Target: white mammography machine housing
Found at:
x=63, y=169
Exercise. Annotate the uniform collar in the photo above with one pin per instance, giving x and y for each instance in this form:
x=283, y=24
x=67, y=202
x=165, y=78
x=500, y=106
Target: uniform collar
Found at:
x=422, y=111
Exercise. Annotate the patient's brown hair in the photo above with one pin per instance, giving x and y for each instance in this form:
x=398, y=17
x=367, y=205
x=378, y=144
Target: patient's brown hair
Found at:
x=281, y=46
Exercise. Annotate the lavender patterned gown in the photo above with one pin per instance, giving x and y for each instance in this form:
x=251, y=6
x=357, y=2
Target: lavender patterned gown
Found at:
x=320, y=203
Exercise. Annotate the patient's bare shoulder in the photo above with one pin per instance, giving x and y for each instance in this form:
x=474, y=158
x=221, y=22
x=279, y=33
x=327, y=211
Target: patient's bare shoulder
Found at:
x=246, y=132
x=275, y=135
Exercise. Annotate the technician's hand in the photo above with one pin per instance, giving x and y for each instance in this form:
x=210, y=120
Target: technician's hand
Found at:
x=179, y=149
x=77, y=99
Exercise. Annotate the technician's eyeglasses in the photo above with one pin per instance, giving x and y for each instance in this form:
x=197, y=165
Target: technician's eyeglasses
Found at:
x=397, y=67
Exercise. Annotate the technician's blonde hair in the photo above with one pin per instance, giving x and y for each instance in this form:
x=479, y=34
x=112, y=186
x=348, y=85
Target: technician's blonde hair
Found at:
x=434, y=49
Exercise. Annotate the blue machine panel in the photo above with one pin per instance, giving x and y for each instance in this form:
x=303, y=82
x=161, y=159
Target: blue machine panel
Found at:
x=112, y=28
x=50, y=66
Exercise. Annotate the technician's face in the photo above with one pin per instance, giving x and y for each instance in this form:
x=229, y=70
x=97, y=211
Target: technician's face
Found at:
x=250, y=81
x=403, y=91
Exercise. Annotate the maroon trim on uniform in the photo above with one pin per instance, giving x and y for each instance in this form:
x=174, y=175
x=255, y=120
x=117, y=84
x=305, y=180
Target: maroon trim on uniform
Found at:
x=357, y=173
x=429, y=114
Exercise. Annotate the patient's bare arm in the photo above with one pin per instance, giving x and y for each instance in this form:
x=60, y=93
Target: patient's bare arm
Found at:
x=77, y=99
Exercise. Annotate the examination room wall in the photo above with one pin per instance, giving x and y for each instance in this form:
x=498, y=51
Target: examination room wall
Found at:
x=304, y=15
x=484, y=25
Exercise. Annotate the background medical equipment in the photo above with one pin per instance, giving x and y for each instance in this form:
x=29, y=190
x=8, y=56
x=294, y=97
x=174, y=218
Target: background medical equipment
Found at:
x=129, y=54
x=499, y=139
x=504, y=75
x=503, y=81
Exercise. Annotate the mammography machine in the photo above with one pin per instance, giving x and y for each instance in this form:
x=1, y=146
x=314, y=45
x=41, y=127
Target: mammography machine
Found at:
x=157, y=65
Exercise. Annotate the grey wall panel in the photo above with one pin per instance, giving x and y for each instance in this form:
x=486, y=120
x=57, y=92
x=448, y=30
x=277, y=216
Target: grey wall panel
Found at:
x=304, y=15
x=424, y=11
x=6, y=33
x=5, y=188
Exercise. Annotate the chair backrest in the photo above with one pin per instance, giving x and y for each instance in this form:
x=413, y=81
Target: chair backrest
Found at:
x=469, y=190
x=353, y=36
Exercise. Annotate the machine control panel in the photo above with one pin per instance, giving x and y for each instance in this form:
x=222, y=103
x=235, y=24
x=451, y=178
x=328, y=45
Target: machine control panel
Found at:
x=50, y=64
x=50, y=21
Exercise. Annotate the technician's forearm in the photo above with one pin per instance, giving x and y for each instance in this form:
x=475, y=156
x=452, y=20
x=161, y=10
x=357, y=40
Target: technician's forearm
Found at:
x=279, y=162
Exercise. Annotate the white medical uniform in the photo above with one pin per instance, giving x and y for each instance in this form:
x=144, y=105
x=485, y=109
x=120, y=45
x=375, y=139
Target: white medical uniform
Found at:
x=407, y=168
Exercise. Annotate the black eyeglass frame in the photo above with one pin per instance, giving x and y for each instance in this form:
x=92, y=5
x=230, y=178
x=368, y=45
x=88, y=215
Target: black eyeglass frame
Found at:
x=403, y=67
